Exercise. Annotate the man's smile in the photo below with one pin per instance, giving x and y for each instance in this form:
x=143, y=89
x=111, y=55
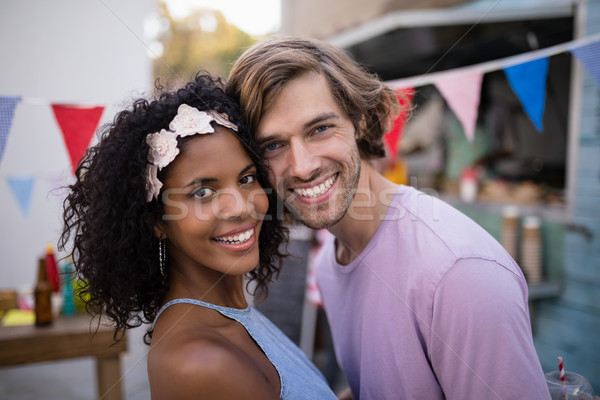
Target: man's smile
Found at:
x=317, y=190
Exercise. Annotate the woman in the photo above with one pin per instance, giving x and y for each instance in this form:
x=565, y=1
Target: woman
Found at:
x=166, y=219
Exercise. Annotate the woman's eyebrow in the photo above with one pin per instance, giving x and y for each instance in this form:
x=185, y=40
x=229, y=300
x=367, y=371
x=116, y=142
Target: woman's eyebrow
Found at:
x=246, y=168
x=200, y=181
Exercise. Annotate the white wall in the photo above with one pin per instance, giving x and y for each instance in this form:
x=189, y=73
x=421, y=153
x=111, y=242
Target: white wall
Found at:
x=83, y=52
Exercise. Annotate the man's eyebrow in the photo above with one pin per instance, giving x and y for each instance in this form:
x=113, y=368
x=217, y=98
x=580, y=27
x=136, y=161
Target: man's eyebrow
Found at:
x=319, y=118
x=261, y=140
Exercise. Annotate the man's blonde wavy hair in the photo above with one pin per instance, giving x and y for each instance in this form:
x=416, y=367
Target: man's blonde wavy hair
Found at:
x=260, y=73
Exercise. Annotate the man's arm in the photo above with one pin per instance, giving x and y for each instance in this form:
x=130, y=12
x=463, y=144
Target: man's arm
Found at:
x=481, y=342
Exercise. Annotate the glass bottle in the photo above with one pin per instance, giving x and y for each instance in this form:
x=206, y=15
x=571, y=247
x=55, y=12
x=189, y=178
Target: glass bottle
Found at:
x=67, y=289
x=43, y=296
x=51, y=268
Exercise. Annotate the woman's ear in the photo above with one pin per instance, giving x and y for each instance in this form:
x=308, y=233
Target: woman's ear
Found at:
x=157, y=226
x=159, y=230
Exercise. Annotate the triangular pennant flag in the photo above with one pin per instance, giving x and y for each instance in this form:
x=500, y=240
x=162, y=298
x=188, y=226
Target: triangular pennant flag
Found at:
x=528, y=81
x=7, y=109
x=589, y=56
x=462, y=93
x=392, y=137
x=78, y=125
x=21, y=188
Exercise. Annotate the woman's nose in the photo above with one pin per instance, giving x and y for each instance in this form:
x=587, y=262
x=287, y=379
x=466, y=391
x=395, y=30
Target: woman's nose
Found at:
x=231, y=204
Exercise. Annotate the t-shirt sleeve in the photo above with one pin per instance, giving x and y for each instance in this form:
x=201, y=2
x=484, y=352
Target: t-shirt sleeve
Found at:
x=481, y=342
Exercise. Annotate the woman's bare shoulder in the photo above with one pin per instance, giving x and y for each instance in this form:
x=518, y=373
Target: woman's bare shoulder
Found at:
x=203, y=364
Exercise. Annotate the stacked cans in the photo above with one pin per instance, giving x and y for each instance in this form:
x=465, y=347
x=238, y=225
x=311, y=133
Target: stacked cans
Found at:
x=525, y=246
x=510, y=230
x=531, y=250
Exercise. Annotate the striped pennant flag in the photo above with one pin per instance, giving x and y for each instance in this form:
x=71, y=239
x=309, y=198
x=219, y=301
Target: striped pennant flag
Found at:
x=589, y=56
x=7, y=109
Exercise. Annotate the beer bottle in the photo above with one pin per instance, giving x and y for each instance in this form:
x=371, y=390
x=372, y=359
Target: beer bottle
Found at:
x=43, y=296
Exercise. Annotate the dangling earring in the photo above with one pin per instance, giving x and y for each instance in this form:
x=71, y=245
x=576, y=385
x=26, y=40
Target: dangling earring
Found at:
x=162, y=257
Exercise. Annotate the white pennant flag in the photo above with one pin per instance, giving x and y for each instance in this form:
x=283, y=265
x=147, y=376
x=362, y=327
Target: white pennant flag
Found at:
x=462, y=93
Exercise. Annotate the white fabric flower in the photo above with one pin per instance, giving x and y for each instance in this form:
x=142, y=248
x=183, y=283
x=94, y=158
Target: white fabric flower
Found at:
x=153, y=185
x=223, y=120
x=163, y=144
x=190, y=120
x=163, y=148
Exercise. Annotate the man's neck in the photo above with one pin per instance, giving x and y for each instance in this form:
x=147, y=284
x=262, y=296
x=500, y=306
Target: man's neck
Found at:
x=364, y=216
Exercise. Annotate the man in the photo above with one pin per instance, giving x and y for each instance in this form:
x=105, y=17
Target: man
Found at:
x=422, y=302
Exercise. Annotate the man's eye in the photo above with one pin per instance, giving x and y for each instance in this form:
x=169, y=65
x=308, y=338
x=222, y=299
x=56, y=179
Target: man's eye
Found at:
x=321, y=129
x=202, y=193
x=250, y=178
x=271, y=147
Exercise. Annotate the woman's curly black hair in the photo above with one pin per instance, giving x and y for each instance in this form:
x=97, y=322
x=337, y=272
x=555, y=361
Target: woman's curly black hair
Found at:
x=109, y=224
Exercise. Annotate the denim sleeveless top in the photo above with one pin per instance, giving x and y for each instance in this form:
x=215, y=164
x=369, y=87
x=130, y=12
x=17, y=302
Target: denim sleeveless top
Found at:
x=299, y=378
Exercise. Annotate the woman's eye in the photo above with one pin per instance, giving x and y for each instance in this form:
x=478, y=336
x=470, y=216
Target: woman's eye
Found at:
x=202, y=193
x=251, y=178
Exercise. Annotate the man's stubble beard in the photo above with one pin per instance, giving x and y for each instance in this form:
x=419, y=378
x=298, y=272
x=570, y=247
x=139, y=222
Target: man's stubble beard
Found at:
x=326, y=215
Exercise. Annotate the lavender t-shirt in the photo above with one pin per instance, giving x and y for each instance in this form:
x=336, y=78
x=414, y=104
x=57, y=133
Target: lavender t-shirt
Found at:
x=433, y=308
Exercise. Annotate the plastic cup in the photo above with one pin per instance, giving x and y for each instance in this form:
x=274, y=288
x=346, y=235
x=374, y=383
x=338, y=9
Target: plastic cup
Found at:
x=576, y=386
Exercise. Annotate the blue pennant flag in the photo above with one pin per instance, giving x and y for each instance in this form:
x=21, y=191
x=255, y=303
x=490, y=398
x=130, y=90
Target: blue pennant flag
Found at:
x=589, y=56
x=528, y=81
x=22, y=188
x=7, y=109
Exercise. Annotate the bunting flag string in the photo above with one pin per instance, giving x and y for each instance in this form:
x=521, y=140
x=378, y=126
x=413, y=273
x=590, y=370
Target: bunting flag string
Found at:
x=525, y=72
x=587, y=43
x=7, y=109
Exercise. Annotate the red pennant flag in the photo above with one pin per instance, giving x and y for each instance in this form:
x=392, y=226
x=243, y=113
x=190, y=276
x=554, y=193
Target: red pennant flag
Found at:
x=78, y=125
x=392, y=138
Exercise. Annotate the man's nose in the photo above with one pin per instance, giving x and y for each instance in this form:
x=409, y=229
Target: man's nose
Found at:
x=302, y=160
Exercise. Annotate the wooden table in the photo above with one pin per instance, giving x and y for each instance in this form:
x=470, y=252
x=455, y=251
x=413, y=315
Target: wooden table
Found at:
x=67, y=338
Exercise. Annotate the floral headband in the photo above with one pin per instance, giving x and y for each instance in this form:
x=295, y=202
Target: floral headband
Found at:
x=163, y=145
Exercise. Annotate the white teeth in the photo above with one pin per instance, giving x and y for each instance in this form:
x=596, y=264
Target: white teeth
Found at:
x=317, y=190
x=237, y=239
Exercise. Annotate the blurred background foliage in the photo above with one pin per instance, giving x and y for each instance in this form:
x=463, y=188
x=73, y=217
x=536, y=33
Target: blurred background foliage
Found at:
x=202, y=40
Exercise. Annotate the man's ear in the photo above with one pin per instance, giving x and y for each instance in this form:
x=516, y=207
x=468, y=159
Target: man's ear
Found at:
x=361, y=127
